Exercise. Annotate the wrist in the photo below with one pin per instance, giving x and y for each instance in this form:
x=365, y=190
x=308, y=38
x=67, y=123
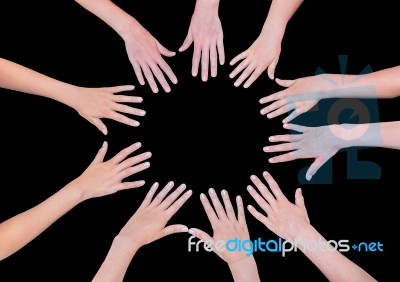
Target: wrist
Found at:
x=208, y=5
x=72, y=194
x=352, y=135
x=128, y=27
x=128, y=244
x=244, y=270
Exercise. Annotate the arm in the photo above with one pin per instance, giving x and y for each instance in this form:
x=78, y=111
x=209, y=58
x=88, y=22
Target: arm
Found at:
x=323, y=142
x=205, y=31
x=99, y=179
x=302, y=94
x=290, y=222
x=144, y=51
x=91, y=103
x=148, y=224
x=264, y=52
x=226, y=226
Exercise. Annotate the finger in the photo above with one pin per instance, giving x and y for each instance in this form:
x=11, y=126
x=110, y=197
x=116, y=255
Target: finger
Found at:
x=221, y=50
x=127, y=99
x=158, y=199
x=213, y=60
x=240, y=68
x=172, y=229
x=138, y=72
x=196, y=59
x=284, y=109
x=273, y=185
x=172, y=197
x=281, y=147
x=259, y=200
x=122, y=88
x=256, y=73
x=130, y=185
x=273, y=97
x=239, y=57
x=295, y=127
x=259, y=216
x=240, y=210
x=128, y=110
x=123, y=119
x=150, y=78
x=133, y=161
x=228, y=206
x=284, y=158
x=286, y=138
x=291, y=117
x=272, y=67
x=149, y=196
x=263, y=190
x=275, y=105
x=133, y=170
x=285, y=82
x=217, y=204
x=99, y=158
x=99, y=124
x=164, y=51
x=125, y=152
x=168, y=71
x=188, y=41
x=315, y=166
x=212, y=217
x=245, y=74
x=299, y=199
x=179, y=203
x=160, y=77
x=201, y=235
x=205, y=54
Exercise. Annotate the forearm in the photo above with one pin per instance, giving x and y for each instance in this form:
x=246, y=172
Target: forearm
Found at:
x=280, y=12
x=210, y=5
x=385, y=135
x=18, y=231
x=19, y=78
x=331, y=263
x=245, y=270
x=117, y=261
x=120, y=21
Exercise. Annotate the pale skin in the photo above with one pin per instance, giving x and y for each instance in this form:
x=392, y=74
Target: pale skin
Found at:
x=290, y=222
x=148, y=224
x=93, y=104
x=205, y=33
x=101, y=178
x=227, y=226
x=302, y=94
x=264, y=53
x=144, y=51
x=323, y=142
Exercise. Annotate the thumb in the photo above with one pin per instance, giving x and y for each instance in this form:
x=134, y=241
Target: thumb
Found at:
x=299, y=199
x=285, y=83
x=272, y=67
x=101, y=154
x=172, y=229
x=186, y=44
x=164, y=51
x=100, y=125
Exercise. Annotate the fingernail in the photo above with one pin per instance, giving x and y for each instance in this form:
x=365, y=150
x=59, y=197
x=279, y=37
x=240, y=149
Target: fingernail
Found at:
x=202, y=196
x=170, y=184
x=175, y=81
x=236, y=84
x=146, y=164
x=271, y=160
x=265, y=173
x=182, y=187
x=249, y=207
x=285, y=125
x=142, y=113
x=135, y=123
x=253, y=177
x=238, y=199
x=261, y=101
x=131, y=87
x=249, y=188
x=224, y=193
x=211, y=191
x=148, y=155
x=104, y=131
x=104, y=144
x=266, y=149
x=138, y=144
x=189, y=192
x=262, y=112
x=245, y=85
x=308, y=177
x=184, y=229
x=191, y=231
x=269, y=116
x=168, y=90
x=141, y=183
x=271, y=138
x=139, y=99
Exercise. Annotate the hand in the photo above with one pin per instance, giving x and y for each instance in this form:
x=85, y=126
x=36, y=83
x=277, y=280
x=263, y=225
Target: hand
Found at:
x=320, y=143
x=226, y=226
x=283, y=218
x=300, y=95
x=93, y=104
x=263, y=54
x=105, y=178
x=205, y=31
x=144, y=53
x=149, y=222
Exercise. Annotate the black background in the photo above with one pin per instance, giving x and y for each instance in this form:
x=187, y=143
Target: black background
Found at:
x=202, y=134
